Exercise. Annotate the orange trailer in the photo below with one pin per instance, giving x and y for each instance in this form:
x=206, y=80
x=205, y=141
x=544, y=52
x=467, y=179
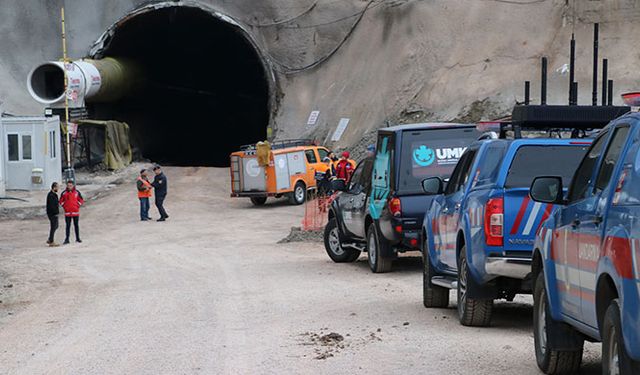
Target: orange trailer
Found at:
x=291, y=170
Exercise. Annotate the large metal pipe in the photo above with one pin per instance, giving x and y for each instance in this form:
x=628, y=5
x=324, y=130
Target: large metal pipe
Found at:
x=103, y=80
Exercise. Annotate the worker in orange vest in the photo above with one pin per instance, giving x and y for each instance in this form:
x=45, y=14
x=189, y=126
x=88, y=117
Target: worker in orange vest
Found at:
x=144, y=193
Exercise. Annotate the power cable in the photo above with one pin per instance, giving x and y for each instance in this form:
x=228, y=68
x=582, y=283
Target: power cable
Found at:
x=514, y=2
x=288, y=20
x=335, y=20
x=286, y=69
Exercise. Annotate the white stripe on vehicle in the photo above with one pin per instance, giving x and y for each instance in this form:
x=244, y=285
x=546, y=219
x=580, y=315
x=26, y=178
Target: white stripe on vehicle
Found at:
x=588, y=280
x=532, y=218
x=574, y=277
x=634, y=254
x=547, y=242
x=560, y=273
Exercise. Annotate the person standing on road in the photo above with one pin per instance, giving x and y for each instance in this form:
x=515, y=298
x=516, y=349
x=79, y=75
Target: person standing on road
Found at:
x=333, y=157
x=160, y=186
x=323, y=179
x=345, y=167
x=53, y=210
x=71, y=200
x=144, y=193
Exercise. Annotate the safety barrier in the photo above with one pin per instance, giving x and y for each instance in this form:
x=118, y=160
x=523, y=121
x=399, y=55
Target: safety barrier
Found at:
x=316, y=211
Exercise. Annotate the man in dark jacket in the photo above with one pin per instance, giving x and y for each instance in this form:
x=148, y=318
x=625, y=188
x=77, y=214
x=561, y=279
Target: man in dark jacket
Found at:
x=160, y=186
x=53, y=210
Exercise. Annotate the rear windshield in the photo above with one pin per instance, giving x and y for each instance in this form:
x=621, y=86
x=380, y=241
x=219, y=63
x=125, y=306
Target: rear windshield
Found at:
x=489, y=166
x=539, y=160
x=427, y=153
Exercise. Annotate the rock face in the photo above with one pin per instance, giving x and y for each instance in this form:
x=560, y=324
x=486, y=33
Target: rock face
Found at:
x=368, y=61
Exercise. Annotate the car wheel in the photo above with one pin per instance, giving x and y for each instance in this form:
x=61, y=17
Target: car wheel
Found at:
x=471, y=312
x=376, y=246
x=551, y=360
x=333, y=245
x=615, y=359
x=299, y=194
x=259, y=201
x=432, y=295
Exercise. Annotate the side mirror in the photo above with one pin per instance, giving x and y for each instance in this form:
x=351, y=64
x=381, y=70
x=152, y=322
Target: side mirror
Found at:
x=433, y=186
x=338, y=185
x=356, y=189
x=547, y=189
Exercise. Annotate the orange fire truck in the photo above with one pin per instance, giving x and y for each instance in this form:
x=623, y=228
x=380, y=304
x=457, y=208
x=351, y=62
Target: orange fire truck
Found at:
x=285, y=168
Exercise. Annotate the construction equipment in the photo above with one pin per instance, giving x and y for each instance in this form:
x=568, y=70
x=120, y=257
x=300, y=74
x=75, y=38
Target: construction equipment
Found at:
x=290, y=170
x=88, y=80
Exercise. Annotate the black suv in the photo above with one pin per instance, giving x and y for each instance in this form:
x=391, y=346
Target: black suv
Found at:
x=382, y=209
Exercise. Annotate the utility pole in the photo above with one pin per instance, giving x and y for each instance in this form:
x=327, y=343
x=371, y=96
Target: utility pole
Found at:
x=69, y=172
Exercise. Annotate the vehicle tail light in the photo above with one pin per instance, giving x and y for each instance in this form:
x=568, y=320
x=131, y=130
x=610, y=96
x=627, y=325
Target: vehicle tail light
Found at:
x=617, y=195
x=395, y=206
x=413, y=242
x=398, y=228
x=494, y=222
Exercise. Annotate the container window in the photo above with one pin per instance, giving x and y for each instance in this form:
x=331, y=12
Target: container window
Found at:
x=14, y=153
x=26, y=147
x=52, y=144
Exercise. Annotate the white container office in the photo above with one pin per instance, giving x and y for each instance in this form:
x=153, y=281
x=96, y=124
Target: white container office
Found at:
x=31, y=152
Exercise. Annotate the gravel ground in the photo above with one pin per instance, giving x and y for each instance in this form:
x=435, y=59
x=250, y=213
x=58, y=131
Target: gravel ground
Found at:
x=298, y=235
x=211, y=291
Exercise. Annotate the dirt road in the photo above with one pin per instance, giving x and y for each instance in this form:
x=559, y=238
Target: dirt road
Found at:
x=210, y=291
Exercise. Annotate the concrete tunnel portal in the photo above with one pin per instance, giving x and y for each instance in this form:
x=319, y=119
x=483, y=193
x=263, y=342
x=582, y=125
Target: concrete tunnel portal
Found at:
x=205, y=88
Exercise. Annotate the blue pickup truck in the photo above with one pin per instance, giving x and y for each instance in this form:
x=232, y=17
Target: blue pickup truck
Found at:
x=586, y=260
x=479, y=231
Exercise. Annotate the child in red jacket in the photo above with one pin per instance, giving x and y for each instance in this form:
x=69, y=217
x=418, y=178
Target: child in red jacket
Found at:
x=71, y=200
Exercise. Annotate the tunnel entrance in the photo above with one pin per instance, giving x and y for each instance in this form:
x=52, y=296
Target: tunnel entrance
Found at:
x=205, y=89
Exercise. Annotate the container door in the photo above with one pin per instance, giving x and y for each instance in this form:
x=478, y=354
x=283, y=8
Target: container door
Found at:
x=53, y=158
x=253, y=176
x=282, y=172
x=19, y=157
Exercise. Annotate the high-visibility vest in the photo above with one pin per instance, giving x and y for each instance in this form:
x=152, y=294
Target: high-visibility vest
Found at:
x=145, y=193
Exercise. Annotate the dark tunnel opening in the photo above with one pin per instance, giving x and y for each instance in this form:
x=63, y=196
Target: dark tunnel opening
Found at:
x=205, y=88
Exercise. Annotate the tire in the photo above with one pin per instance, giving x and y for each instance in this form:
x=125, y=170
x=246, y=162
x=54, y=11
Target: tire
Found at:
x=375, y=247
x=333, y=245
x=549, y=359
x=432, y=295
x=615, y=359
x=471, y=312
x=299, y=194
x=259, y=201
